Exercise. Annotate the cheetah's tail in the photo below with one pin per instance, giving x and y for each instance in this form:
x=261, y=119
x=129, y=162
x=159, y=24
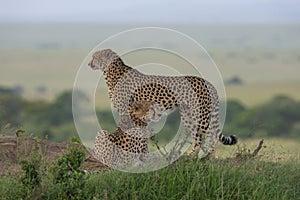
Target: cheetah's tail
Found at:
x=228, y=140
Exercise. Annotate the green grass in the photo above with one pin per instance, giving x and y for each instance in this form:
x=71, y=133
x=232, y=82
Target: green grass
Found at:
x=10, y=188
x=275, y=149
x=218, y=179
x=273, y=174
x=223, y=178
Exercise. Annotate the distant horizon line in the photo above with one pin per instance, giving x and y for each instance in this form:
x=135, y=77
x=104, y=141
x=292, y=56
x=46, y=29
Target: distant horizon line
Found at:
x=147, y=23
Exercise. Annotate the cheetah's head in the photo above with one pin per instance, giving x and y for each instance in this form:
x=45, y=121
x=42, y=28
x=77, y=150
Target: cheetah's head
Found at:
x=102, y=59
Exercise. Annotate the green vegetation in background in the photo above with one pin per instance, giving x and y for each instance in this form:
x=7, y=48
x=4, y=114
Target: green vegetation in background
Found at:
x=279, y=117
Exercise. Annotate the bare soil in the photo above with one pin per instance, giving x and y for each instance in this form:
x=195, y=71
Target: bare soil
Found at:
x=15, y=149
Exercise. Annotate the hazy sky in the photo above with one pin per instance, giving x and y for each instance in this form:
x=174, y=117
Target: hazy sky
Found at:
x=151, y=11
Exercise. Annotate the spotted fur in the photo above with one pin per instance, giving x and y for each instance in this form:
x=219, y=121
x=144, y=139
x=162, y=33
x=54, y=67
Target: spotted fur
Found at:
x=196, y=98
x=120, y=149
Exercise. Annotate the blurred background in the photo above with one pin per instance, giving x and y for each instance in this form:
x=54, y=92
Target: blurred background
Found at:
x=255, y=44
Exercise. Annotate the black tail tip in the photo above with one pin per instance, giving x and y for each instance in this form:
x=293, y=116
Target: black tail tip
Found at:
x=229, y=140
x=234, y=139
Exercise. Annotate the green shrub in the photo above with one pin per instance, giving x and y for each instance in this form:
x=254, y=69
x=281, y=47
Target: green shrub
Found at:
x=68, y=179
x=31, y=176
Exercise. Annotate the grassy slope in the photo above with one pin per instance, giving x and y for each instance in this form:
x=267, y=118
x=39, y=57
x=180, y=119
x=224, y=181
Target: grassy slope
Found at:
x=219, y=179
x=274, y=174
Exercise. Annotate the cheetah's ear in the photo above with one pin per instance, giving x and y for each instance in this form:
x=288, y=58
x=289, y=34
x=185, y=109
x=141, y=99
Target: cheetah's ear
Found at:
x=109, y=54
x=109, y=50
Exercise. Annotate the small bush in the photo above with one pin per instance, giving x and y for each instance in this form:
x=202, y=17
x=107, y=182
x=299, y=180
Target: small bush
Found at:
x=68, y=179
x=31, y=175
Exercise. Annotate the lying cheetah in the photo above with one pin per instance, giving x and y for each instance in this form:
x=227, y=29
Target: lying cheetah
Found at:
x=120, y=149
x=196, y=98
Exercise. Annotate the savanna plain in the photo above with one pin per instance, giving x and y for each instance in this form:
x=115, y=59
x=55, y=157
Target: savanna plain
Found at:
x=260, y=67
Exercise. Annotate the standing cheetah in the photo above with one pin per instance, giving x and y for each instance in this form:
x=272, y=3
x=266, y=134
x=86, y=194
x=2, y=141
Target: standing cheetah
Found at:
x=196, y=98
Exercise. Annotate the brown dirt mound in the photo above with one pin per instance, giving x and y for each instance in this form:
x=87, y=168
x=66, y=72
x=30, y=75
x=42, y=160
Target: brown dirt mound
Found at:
x=14, y=149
